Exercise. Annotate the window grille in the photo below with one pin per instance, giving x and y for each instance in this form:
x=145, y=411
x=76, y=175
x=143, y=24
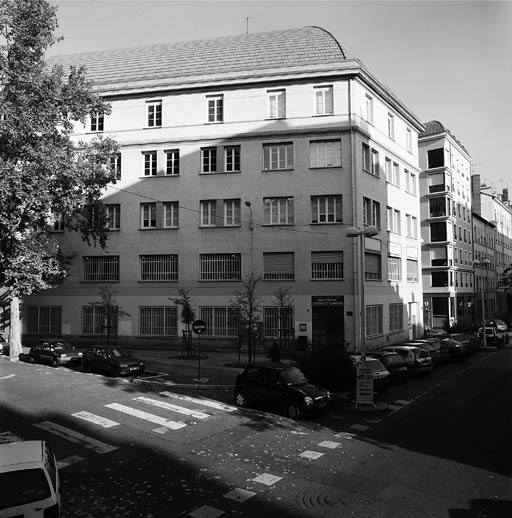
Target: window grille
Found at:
x=220, y=321
x=373, y=320
x=158, y=321
x=327, y=265
x=278, y=320
x=159, y=267
x=396, y=317
x=278, y=266
x=220, y=267
x=44, y=320
x=94, y=321
x=101, y=268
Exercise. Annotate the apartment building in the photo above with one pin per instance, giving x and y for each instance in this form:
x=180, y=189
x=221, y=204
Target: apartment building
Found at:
x=247, y=153
x=446, y=228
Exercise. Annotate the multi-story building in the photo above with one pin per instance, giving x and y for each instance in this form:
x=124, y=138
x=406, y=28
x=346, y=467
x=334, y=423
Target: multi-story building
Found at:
x=253, y=152
x=447, y=257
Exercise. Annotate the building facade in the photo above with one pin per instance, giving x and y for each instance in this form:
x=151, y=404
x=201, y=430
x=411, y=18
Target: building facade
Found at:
x=239, y=154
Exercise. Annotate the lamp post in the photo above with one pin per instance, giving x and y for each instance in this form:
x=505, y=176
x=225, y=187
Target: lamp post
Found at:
x=251, y=229
x=481, y=264
x=362, y=234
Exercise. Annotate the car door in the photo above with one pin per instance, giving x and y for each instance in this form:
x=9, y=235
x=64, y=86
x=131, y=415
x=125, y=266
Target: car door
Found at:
x=252, y=384
x=99, y=360
x=275, y=388
x=46, y=353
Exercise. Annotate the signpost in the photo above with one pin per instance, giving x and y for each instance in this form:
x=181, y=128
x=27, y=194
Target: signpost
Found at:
x=364, y=384
x=199, y=327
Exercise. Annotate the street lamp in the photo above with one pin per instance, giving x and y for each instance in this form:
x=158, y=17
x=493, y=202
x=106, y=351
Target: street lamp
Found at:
x=362, y=234
x=251, y=228
x=481, y=264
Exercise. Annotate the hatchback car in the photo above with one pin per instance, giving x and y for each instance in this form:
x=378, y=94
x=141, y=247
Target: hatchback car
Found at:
x=112, y=361
x=379, y=372
x=282, y=386
x=31, y=468
x=394, y=363
x=54, y=353
x=458, y=351
x=419, y=361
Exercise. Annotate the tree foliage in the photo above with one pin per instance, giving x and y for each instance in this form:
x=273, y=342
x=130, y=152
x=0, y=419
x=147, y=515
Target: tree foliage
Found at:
x=42, y=171
x=505, y=280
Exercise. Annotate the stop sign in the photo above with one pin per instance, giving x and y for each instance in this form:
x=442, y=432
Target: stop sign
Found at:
x=199, y=327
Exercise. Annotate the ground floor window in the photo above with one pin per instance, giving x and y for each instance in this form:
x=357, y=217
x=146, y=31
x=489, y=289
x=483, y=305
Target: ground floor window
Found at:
x=278, y=322
x=44, y=320
x=94, y=321
x=396, y=317
x=158, y=321
x=373, y=320
x=220, y=320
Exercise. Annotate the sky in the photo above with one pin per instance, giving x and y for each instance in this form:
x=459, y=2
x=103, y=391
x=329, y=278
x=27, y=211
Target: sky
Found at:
x=446, y=60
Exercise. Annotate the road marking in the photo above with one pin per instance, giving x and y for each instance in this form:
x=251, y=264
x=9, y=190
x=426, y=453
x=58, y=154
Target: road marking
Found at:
x=206, y=512
x=9, y=437
x=8, y=376
x=96, y=419
x=64, y=463
x=267, y=479
x=311, y=455
x=199, y=401
x=174, y=408
x=345, y=435
x=360, y=427
x=239, y=495
x=403, y=401
x=76, y=437
x=173, y=425
x=329, y=444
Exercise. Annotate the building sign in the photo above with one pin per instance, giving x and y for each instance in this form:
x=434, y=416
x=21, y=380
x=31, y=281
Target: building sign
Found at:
x=327, y=300
x=364, y=393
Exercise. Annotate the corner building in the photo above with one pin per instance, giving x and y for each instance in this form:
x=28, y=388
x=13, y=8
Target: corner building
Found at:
x=253, y=152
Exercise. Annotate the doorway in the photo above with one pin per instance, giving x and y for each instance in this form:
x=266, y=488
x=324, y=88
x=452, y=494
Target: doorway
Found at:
x=328, y=322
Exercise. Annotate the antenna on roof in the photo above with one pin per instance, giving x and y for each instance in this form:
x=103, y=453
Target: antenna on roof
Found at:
x=247, y=25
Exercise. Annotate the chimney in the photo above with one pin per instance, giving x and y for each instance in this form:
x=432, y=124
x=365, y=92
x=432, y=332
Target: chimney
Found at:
x=476, y=197
x=504, y=197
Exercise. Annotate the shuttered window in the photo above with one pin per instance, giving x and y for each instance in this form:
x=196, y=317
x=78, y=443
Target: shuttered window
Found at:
x=373, y=268
x=327, y=265
x=278, y=266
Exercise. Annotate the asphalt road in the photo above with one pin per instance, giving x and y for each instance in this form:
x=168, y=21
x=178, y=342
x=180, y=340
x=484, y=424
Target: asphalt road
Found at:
x=443, y=450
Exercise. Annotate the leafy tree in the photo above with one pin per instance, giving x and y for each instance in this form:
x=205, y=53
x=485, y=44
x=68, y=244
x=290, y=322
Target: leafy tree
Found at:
x=188, y=314
x=42, y=172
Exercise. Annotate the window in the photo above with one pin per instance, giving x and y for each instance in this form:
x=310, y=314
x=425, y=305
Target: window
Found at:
x=327, y=265
x=375, y=163
x=395, y=175
x=326, y=209
x=44, y=320
x=154, y=114
x=439, y=279
x=408, y=139
x=113, y=214
x=208, y=213
x=323, y=100
x=373, y=266
x=148, y=215
x=172, y=163
x=94, y=321
x=101, y=268
x=278, y=321
x=276, y=104
x=439, y=256
x=171, y=214
x=209, y=160
x=278, y=211
x=56, y=222
x=396, y=317
x=277, y=156
x=158, y=321
x=394, y=268
x=391, y=126
x=387, y=169
x=369, y=109
x=325, y=153
x=436, y=183
x=373, y=320
x=393, y=216
x=435, y=158
x=220, y=321
x=232, y=159
x=97, y=120
x=215, y=108
x=232, y=213
x=149, y=163
x=365, y=150
x=115, y=165
x=371, y=212
x=412, y=270
x=438, y=231
x=437, y=207
x=220, y=267
x=278, y=266
x=410, y=182
x=412, y=226
x=159, y=267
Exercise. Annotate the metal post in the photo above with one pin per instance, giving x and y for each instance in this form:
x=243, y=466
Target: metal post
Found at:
x=363, y=307
x=484, y=334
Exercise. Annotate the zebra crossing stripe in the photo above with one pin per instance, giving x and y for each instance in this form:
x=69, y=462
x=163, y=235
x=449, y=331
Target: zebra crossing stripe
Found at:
x=76, y=437
x=96, y=419
x=199, y=401
x=173, y=425
x=174, y=408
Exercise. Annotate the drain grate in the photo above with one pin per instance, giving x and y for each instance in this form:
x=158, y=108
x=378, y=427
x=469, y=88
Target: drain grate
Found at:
x=310, y=499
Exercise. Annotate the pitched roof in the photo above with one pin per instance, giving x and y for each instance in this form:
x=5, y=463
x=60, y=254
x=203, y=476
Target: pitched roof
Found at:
x=435, y=127
x=305, y=46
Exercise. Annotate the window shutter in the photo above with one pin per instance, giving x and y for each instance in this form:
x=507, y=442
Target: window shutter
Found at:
x=279, y=265
x=327, y=257
x=372, y=265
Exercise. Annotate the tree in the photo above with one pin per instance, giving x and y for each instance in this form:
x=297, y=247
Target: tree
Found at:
x=247, y=305
x=284, y=302
x=42, y=172
x=188, y=314
x=505, y=280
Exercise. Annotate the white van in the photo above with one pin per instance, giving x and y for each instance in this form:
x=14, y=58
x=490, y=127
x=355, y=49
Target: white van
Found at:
x=29, y=470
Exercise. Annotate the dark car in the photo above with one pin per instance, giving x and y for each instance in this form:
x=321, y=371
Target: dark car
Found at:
x=465, y=341
x=394, y=363
x=419, y=361
x=5, y=348
x=54, y=353
x=113, y=361
x=435, y=331
x=458, y=351
x=282, y=386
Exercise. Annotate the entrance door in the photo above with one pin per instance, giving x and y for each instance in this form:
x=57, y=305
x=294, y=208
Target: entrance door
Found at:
x=328, y=327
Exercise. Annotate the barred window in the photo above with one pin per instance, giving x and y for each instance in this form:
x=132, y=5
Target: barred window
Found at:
x=396, y=317
x=220, y=267
x=373, y=320
x=113, y=213
x=101, y=268
x=278, y=266
x=277, y=156
x=172, y=166
x=44, y=320
x=149, y=163
x=94, y=321
x=154, y=114
x=325, y=153
x=278, y=211
x=278, y=321
x=394, y=268
x=159, y=267
x=326, y=209
x=220, y=321
x=327, y=265
x=158, y=321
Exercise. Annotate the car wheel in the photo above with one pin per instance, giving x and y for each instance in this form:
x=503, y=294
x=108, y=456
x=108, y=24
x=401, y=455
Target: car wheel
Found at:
x=240, y=400
x=54, y=362
x=293, y=411
x=86, y=367
x=114, y=371
x=31, y=359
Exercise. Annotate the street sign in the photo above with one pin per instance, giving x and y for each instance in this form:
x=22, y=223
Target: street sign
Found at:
x=199, y=327
x=364, y=385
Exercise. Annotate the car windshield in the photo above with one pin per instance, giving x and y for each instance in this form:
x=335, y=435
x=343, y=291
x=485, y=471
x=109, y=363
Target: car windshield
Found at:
x=375, y=365
x=293, y=376
x=31, y=486
x=394, y=358
x=120, y=353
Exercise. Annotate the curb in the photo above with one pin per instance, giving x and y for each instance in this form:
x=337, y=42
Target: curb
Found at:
x=172, y=384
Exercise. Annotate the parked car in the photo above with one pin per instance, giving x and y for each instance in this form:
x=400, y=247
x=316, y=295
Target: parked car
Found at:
x=55, y=353
x=435, y=331
x=379, y=372
x=463, y=339
x=458, y=351
x=282, y=386
x=113, y=361
x=5, y=347
x=29, y=478
x=473, y=341
x=394, y=363
x=417, y=359
x=500, y=325
x=429, y=347
x=493, y=336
